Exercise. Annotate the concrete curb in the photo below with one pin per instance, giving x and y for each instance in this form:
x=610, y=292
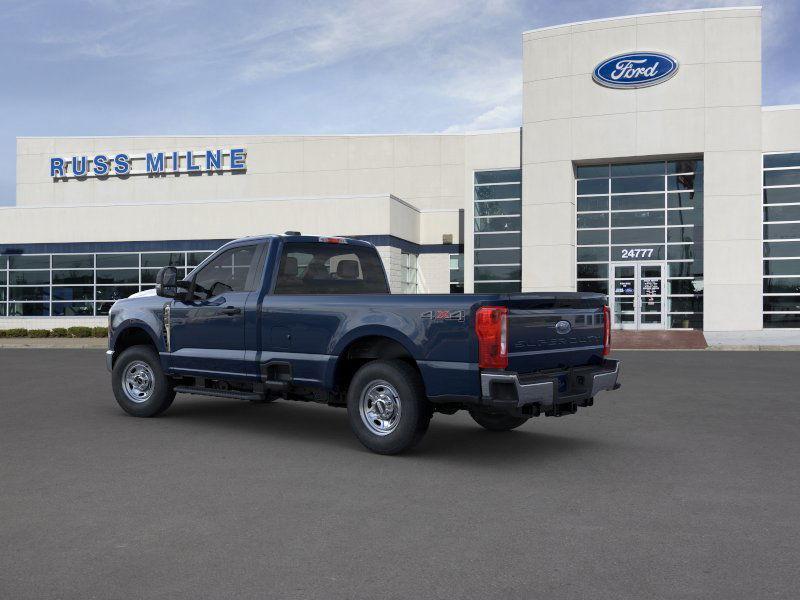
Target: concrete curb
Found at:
x=102, y=343
x=54, y=343
x=717, y=348
x=756, y=347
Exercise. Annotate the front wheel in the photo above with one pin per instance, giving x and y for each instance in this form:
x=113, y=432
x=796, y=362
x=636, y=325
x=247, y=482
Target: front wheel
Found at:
x=387, y=407
x=140, y=385
x=496, y=421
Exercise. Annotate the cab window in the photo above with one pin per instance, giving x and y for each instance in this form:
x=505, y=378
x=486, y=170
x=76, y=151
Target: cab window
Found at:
x=321, y=268
x=228, y=272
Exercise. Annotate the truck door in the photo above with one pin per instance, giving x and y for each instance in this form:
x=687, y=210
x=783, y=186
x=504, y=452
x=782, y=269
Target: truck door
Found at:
x=208, y=332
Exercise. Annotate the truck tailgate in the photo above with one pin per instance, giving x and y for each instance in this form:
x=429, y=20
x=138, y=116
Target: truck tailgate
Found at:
x=548, y=331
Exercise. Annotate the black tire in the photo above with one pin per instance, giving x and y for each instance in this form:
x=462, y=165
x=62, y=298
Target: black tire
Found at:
x=267, y=400
x=496, y=421
x=158, y=395
x=410, y=422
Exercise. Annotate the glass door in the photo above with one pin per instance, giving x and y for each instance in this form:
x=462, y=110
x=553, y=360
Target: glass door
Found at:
x=650, y=296
x=637, y=295
x=623, y=295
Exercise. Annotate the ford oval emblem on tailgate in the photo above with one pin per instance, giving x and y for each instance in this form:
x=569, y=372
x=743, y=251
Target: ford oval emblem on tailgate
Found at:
x=563, y=327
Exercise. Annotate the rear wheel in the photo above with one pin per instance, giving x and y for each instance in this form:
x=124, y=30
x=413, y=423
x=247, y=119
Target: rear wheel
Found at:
x=496, y=421
x=140, y=385
x=387, y=407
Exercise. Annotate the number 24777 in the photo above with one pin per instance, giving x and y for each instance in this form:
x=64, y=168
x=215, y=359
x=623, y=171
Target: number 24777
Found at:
x=637, y=252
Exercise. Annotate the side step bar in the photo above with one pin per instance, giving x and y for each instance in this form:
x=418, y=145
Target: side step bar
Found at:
x=188, y=389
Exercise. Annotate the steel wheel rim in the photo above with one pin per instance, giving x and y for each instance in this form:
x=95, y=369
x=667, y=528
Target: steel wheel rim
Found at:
x=380, y=407
x=138, y=382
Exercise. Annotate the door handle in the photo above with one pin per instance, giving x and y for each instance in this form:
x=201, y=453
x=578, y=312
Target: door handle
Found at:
x=230, y=310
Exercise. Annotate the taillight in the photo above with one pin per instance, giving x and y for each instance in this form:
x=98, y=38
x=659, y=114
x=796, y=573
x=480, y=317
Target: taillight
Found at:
x=606, y=331
x=332, y=240
x=491, y=325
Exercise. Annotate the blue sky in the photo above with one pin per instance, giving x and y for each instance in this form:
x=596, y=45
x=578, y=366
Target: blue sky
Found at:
x=152, y=67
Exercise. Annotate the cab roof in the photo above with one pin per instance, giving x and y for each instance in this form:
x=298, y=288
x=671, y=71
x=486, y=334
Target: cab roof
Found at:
x=295, y=237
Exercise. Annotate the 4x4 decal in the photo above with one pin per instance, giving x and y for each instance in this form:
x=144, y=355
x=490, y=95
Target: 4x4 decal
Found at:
x=444, y=315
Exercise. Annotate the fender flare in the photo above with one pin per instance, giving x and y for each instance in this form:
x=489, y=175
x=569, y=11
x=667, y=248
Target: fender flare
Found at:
x=361, y=332
x=134, y=323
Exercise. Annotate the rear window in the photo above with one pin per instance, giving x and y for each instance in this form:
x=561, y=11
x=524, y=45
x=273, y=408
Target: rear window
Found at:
x=322, y=268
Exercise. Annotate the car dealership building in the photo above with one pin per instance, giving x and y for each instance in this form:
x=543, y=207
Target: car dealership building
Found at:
x=645, y=168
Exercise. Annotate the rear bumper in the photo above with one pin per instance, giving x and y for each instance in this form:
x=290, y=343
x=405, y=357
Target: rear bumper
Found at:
x=552, y=392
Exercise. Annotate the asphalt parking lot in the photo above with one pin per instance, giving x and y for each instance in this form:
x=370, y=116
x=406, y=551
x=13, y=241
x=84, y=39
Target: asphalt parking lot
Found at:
x=683, y=484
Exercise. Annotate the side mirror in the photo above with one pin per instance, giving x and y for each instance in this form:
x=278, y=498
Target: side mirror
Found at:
x=167, y=282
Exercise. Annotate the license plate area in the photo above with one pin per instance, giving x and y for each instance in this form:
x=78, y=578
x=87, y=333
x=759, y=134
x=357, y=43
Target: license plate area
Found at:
x=569, y=383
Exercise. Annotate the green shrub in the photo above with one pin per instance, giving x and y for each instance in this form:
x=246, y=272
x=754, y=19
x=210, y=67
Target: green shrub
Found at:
x=80, y=332
x=39, y=333
x=16, y=332
x=2, y=333
x=59, y=332
x=99, y=332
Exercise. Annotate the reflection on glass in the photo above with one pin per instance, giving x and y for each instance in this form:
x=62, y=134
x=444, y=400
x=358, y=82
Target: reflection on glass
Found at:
x=651, y=270
x=497, y=192
x=637, y=202
x=29, y=261
x=591, y=171
x=637, y=184
x=592, y=236
x=592, y=271
x=73, y=261
x=778, y=231
x=637, y=218
x=593, y=220
x=67, y=280
x=624, y=271
x=498, y=176
x=73, y=309
x=494, y=227
x=497, y=224
x=637, y=236
x=647, y=168
x=29, y=278
x=597, y=287
x=592, y=186
x=117, y=260
x=592, y=203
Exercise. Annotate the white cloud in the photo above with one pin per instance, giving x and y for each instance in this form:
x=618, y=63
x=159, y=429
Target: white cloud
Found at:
x=490, y=91
x=324, y=37
x=497, y=117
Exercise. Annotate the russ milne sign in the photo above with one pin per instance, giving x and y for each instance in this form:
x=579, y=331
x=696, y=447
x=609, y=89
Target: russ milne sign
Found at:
x=635, y=70
x=151, y=163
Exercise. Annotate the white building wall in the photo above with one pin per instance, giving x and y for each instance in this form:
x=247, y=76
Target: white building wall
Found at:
x=434, y=273
x=391, y=262
x=780, y=127
x=425, y=170
x=347, y=216
x=711, y=107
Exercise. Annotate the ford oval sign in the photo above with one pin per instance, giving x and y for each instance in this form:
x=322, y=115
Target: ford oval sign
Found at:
x=563, y=327
x=635, y=70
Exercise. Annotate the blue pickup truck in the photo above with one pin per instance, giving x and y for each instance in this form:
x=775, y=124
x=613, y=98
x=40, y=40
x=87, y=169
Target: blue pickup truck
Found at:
x=309, y=318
